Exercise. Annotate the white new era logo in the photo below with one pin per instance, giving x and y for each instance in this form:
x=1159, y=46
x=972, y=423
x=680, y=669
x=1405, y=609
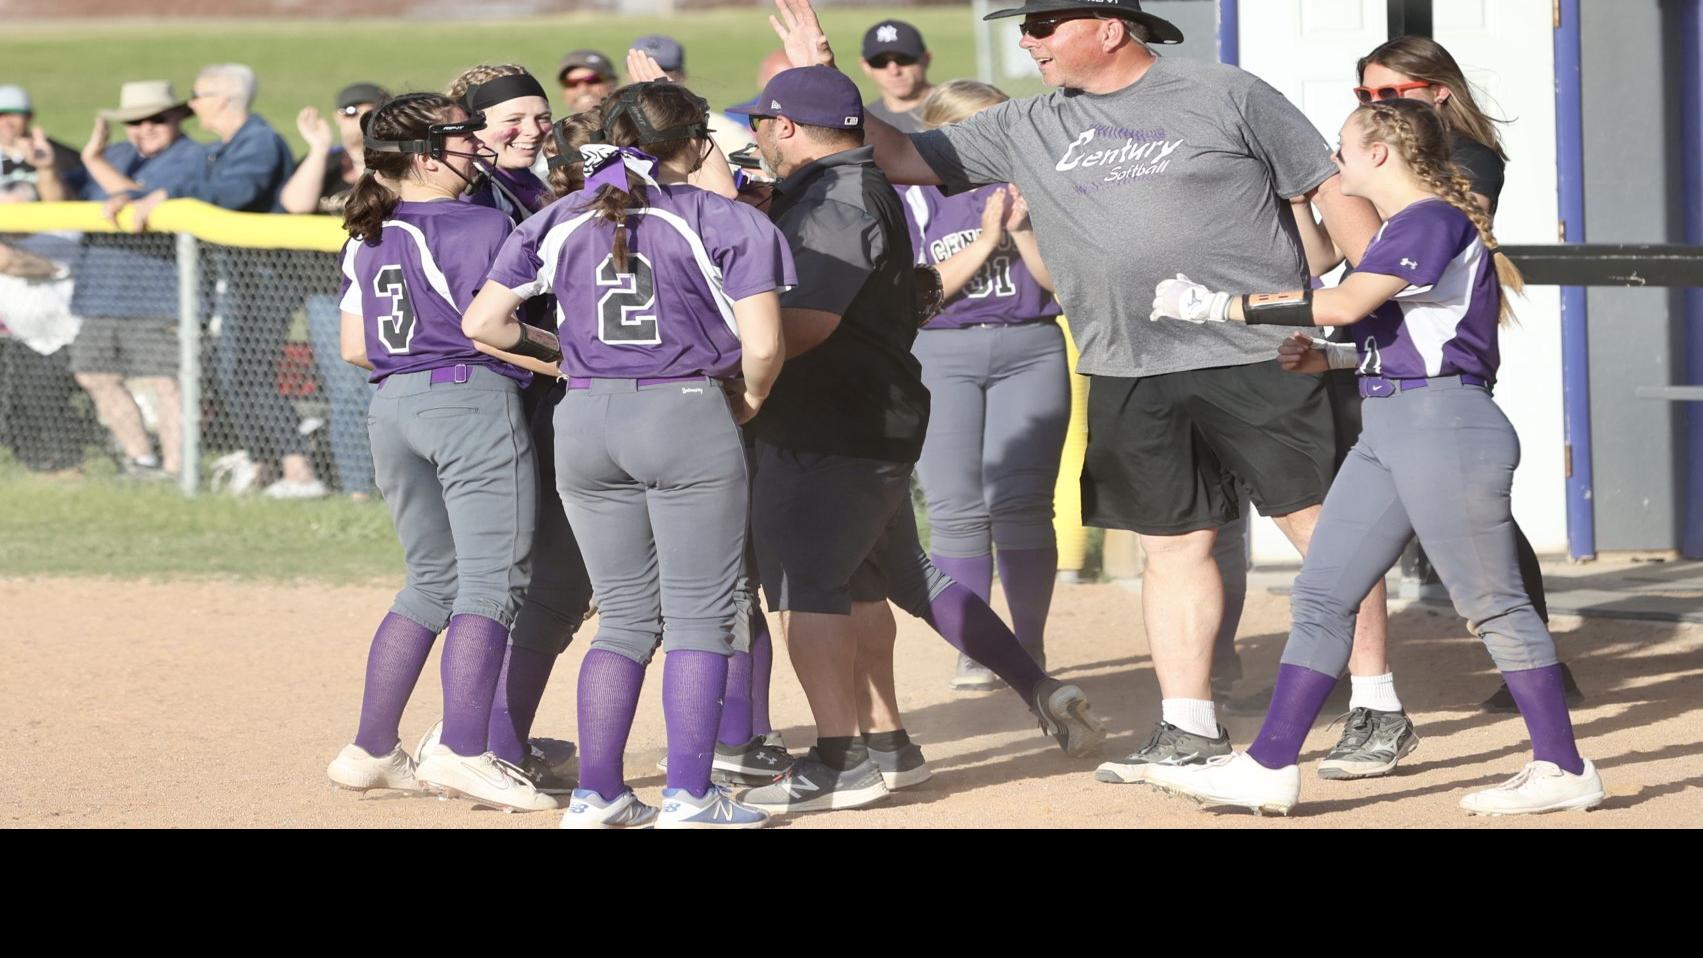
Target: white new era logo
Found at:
x=774, y=104
x=886, y=33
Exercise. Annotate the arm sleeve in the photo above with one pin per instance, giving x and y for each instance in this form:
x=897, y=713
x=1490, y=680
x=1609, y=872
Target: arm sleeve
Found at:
x=835, y=247
x=1284, y=139
x=973, y=153
x=751, y=253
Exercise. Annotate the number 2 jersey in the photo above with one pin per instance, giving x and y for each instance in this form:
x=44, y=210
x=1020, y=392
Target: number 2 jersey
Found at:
x=412, y=287
x=1003, y=291
x=691, y=254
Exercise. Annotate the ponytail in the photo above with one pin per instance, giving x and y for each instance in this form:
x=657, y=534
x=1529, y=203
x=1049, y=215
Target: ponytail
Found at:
x=370, y=204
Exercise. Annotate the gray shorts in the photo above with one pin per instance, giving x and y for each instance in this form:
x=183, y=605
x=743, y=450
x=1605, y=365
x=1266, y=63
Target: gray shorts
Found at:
x=454, y=462
x=819, y=521
x=127, y=347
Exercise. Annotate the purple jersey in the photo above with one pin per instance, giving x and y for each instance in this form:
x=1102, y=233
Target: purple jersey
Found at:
x=1444, y=323
x=411, y=289
x=691, y=255
x=1003, y=291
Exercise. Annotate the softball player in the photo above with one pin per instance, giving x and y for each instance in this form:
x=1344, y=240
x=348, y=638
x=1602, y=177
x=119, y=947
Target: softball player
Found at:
x=664, y=290
x=559, y=593
x=1435, y=459
x=995, y=366
x=450, y=450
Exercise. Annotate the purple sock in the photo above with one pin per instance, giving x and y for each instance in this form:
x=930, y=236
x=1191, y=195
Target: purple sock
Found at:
x=520, y=687
x=1543, y=704
x=762, y=662
x=972, y=628
x=1027, y=576
x=974, y=573
x=472, y=657
x=609, y=685
x=394, y=662
x=1295, y=704
x=692, y=685
x=735, y=702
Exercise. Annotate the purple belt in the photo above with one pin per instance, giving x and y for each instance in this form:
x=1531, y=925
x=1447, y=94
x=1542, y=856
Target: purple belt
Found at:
x=1375, y=387
x=584, y=382
x=459, y=373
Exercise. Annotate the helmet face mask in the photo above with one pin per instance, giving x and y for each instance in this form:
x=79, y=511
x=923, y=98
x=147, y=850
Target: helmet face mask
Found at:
x=435, y=145
x=627, y=101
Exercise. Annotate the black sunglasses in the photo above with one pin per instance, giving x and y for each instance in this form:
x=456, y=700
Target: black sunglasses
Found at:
x=880, y=60
x=158, y=119
x=1042, y=27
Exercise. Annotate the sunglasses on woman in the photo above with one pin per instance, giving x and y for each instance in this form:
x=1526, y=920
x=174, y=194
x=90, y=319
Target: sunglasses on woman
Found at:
x=1372, y=94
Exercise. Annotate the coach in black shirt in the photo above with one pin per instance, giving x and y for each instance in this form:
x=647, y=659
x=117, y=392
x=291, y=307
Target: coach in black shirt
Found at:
x=844, y=424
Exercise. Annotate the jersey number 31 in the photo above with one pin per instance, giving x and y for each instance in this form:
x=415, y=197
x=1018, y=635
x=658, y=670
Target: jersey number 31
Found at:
x=626, y=313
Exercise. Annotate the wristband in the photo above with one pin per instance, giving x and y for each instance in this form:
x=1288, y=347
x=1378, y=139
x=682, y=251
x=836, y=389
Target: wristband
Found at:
x=1278, y=309
x=538, y=344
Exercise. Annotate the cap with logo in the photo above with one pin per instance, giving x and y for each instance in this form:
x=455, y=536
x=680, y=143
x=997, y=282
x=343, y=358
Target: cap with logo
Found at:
x=1159, y=29
x=356, y=94
x=813, y=96
x=586, y=60
x=893, y=36
x=141, y=99
x=665, y=50
x=13, y=99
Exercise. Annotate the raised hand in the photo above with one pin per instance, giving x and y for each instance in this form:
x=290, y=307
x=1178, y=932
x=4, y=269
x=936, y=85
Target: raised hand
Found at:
x=801, y=34
x=98, y=138
x=42, y=156
x=993, y=216
x=642, y=67
x=1017, y=214
x=314, y=129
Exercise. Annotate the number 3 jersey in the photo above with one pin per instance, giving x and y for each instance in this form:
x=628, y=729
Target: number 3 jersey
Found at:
x=412, y=287
x=668, y=311
x=1003, y=291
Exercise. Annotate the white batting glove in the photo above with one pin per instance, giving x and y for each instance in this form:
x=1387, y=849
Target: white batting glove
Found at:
x=1184, y=299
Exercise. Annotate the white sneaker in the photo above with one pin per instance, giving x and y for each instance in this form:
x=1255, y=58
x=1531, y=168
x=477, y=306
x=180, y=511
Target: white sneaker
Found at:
x=234, y=473
x=484, y=779
x=1540, y=787
x=289, y=489
x=551, y=764
x=717, y=809
x=1233, y=779
x=587, y=809
x=358, y=771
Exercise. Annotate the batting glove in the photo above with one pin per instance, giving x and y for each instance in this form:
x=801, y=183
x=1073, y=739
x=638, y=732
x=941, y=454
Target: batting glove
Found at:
x=1184, y=299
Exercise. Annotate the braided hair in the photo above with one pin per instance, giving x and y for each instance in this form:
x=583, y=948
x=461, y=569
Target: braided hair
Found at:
x=406, y=117
x=1418, y=135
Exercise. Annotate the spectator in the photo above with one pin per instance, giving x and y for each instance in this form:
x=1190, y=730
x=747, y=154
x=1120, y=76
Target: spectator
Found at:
x=126, y=289
x=586, y=77
x=895, y=57
x=322, y=184
x=328, y=173
x=729, y=134
x=244, y=171
x=32, y=167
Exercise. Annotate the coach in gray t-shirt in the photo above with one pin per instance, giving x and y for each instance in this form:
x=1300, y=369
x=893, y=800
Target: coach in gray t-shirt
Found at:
x=1135, y=169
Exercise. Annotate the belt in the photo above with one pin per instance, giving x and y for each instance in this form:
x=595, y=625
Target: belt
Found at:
x=459, y=373
x=584, y=382
x=1373, y=387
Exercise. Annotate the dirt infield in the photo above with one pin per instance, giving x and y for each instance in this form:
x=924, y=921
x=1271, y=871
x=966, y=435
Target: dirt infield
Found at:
x=219, y=704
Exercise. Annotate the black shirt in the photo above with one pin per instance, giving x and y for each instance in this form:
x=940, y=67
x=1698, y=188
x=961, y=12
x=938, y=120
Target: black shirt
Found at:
x=1481, y=164
x=860, y=392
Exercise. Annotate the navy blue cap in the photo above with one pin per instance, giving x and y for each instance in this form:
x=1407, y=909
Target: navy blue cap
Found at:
x=813, y=96
x=666, y=51
x=893, y=36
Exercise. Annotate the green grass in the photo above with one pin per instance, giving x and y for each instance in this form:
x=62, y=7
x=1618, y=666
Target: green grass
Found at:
x=73, y=69
x=58, y=525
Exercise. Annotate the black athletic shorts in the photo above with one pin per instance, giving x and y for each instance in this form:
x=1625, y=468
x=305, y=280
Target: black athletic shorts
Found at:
x=1166, y=453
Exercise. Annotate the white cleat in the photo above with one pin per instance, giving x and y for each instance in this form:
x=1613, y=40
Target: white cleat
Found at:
x=1233, y=779
x=587, y=809
x=482, y=779
x=358, y=771
x=1540, y=787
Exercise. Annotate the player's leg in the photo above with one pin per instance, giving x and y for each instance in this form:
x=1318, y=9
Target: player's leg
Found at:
x=1028, y=415
x=1454, y=453
x=955, y=367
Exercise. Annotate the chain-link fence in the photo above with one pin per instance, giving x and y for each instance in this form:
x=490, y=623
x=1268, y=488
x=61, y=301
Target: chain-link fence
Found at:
x=173, y=357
